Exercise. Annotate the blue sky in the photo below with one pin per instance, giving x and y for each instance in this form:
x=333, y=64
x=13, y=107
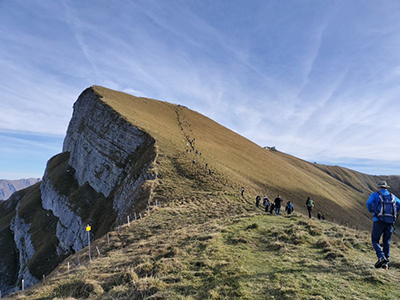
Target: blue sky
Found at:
x=317, y=79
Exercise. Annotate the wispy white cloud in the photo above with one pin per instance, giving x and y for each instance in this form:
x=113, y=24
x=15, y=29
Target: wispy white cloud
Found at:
x=309, y=79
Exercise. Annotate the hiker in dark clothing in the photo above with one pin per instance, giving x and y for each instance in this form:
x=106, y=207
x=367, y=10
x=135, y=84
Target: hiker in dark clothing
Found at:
x=265, y=199
x=319, y=216
x=289, y=208
x=278, y=202
x=385, y=207
x=258, y=199
x=266, y=204
x=272, y=208
x=242, y=191
x=310, y=205
x=323, y=218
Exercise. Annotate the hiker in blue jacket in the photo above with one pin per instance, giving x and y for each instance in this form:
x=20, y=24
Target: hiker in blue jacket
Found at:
x=289, y=208
x=385, y=207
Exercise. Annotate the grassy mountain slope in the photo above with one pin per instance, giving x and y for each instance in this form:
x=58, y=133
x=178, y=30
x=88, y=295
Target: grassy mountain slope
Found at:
x=208, y=242
x=244, y=257
x=238, y=161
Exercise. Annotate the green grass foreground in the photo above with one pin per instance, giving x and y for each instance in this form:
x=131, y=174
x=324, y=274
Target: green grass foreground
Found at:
x=251, y=256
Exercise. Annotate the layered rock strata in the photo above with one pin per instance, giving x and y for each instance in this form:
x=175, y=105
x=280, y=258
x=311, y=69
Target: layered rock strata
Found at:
x=96, y=180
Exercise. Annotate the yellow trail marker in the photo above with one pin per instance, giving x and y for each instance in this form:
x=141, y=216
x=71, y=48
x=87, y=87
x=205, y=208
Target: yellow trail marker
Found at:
x=88, y=228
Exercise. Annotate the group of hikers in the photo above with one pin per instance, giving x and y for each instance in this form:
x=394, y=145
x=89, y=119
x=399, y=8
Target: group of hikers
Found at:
x=275, y=206
x=385, y=209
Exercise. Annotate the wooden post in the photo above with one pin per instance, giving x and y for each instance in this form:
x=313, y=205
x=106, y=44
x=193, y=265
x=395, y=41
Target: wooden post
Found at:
x=108, y=238
x=44, y=278
x=98, y=251
x=129, y=223
x=88, y=235
x=140, y=215
x=68, y=267
x=23, y=285
x=88, y=229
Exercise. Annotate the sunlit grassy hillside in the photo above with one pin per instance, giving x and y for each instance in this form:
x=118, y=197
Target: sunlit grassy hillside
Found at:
x=237, y=162
x=252, y=256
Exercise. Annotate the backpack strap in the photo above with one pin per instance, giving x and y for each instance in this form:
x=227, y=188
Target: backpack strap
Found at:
x=380, y=213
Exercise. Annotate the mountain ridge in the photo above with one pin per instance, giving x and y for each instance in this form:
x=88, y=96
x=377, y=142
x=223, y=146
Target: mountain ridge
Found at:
x=122, y=154
x=8, y=187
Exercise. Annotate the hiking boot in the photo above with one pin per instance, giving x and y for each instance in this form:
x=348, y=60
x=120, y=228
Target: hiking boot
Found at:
x=385, y=266
x=381, y=261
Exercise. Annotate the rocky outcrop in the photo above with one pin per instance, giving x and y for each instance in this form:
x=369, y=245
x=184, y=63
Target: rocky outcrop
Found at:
x=97, y=179
x=103, y=154
x=70, y=229
x=25, y=248
x=108, y=152
x=100, y=143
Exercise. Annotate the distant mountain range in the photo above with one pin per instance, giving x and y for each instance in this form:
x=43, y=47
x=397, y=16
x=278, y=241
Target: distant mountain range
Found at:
x=8, y=187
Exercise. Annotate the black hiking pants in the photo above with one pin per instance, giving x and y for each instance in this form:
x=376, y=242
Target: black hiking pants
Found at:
x=309, y=211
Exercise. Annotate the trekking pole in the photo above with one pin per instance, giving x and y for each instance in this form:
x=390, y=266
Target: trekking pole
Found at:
x=394, y=224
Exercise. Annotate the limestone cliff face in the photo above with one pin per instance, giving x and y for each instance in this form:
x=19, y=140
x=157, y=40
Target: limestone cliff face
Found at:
x=26, y=250
x=103, y=153
x=101, y=143
x=97, y=180
x=70, y=229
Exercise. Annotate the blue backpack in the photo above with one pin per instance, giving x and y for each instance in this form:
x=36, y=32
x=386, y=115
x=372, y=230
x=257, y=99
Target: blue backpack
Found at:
x=386, y=209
